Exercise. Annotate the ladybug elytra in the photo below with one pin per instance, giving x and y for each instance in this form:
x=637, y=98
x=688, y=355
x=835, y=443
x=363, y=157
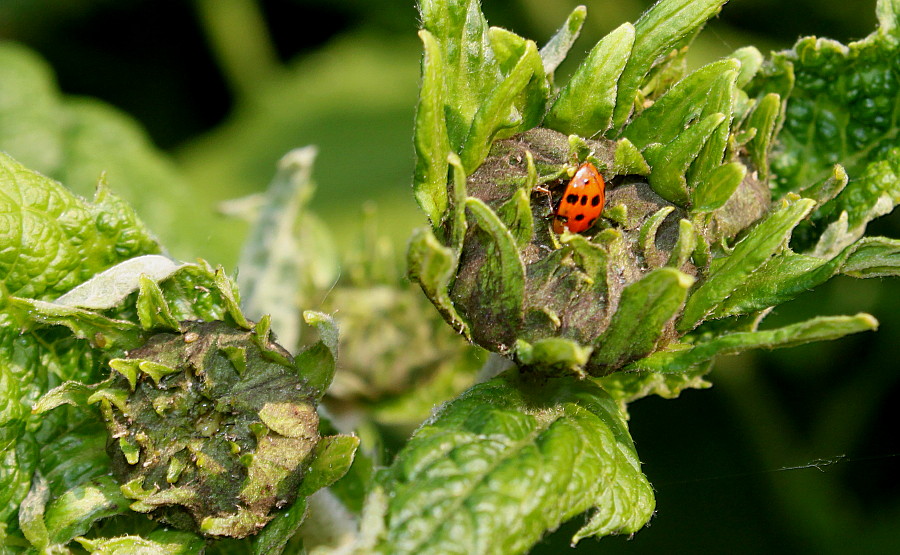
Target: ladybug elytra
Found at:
x=582, y=201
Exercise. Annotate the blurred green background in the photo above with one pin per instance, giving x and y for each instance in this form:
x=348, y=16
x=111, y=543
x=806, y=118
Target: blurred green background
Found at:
x=226, y=87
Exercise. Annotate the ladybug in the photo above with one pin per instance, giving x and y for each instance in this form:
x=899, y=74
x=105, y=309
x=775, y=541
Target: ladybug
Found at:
x=582, y=202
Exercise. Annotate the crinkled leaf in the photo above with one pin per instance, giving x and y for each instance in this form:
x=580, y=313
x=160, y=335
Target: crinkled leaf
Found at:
x=585, y=105
x=626, y=387
x=504, y=462
x=872, y=193
x=54, y=240
x=789, y=274
x=843, y=108
x=76, y=140
x=817, y=329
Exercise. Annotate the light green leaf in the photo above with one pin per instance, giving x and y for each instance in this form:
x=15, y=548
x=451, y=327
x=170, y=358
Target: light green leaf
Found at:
x=73, y=513
x=712, y=193
x=696, y=96
x=434, y=266
x=31, y=513
x=288, y=256
x=431, y=139
x=158, y=542
x=670, y=162
x=554, y=354
x=58, y=240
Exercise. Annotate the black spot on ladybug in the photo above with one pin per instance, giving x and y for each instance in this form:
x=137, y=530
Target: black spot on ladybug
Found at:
x=596, y=200
x=583, y=200
x=572, y=199
x=590, y=223
x=585, y=181
x=579, y=217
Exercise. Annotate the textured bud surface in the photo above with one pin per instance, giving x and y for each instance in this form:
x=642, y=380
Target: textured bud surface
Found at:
x=210, y=428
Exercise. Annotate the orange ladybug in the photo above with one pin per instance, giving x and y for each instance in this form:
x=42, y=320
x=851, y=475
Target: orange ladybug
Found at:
x=582, y=202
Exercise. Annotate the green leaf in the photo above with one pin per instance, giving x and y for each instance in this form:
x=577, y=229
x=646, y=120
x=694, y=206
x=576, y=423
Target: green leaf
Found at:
x=645, y=308
x=668, y=25
x=504, y=463
x=109, y=288
x=843, y=107
x=556, y=355
x=627, y=387
x=288, y=256
x=817, y=329
x=763, y=118
x=871, y=194
x=502, y=277
x=31, y=513
x=317, y=362
x=557, y=48
x=73, y=513
x=700, y=94
x=670, y=162
x=434, y=266
x=58, y=240
x=431, y=135
x=585, y=105
x=469, y=71
x=495, y=111
x=712, y=193
x=751, y=60
x=157, y=542
x=789, y=274
x=628, y=159
x=77, y=140
x=748, y=255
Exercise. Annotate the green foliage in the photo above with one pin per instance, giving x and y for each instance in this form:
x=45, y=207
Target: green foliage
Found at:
x=730, y=190
x=81, y=142
x=495, y=468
